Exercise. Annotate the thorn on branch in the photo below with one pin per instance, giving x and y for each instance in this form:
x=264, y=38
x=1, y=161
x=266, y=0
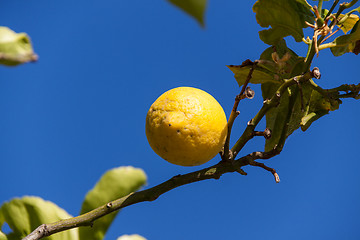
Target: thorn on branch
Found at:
x=266, y=133
x=316, y=73
x=273, y=171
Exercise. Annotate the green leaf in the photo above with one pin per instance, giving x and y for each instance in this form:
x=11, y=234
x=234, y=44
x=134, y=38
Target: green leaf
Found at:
x=15, y=48
x=3, y=236
x=347, y=24
x=25, y=214
x=318, y=106
x=195, y=8
x=308, y=107
x=276, y=118
x=260, y=74
x=276, y=63
x=282, y=61
x=131, y=237
x=114, y=184
x=347, y=43
x=286, y=17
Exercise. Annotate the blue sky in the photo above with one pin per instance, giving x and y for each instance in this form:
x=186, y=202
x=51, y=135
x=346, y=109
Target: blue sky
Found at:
x=80, y=110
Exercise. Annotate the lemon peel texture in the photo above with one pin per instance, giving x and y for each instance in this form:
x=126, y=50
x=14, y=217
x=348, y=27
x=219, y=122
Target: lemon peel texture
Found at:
x=186, y=126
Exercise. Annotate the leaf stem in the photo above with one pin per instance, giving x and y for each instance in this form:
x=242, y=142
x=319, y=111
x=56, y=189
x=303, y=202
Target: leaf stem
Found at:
x=320, y=3
x=327, y=45
x=310, y=55
x=332, y=8
x=350, y=4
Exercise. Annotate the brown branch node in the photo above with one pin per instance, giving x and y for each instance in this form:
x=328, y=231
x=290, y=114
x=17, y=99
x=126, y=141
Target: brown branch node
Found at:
x=316, y=73
x=266, y=133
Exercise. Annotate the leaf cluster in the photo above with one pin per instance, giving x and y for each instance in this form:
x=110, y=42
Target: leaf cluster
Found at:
x=304, y=102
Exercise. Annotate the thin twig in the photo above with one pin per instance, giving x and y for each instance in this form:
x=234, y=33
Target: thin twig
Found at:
x=351, y=91
x=332, y=8
x=273, y=171
x=227, y=155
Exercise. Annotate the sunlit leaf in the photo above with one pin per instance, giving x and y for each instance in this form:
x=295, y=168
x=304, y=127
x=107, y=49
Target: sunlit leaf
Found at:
x=25, y=214
x=15, y=48
x=114, y=184
x=131, y=237
x=347, y=43
x=195, y=8
x=3, y=236
x=286, y=17
x=349, y=23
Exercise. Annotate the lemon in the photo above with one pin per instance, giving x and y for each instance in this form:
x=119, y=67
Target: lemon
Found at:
x=186, y=126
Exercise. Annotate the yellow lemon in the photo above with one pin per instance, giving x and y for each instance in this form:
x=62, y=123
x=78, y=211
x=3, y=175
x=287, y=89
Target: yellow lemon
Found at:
x=186, y=126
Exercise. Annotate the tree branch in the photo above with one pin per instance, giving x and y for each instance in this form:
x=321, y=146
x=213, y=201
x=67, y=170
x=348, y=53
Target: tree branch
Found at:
x=151, y=194
x=349, y=91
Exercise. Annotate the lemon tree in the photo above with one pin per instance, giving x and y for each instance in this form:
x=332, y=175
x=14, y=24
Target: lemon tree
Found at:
x=186, y=126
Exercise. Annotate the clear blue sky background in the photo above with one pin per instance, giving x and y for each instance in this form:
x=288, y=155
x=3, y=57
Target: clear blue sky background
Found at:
x=80, y=110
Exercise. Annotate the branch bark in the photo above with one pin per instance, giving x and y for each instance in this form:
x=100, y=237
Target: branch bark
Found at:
x=151, y=194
